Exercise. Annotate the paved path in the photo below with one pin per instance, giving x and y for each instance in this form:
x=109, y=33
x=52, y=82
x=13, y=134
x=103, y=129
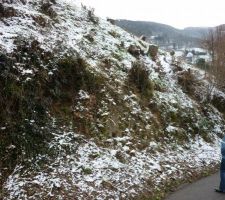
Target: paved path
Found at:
x=200, y=190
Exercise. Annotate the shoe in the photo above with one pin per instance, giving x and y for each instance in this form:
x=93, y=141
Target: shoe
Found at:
x=219, y=191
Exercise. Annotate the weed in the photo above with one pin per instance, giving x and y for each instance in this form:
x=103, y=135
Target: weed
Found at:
x=114, y=34
x=86, y=170
x=89, y=37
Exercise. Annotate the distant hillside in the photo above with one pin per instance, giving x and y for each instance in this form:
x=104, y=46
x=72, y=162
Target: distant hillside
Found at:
x=165, y=35
x=197, y=32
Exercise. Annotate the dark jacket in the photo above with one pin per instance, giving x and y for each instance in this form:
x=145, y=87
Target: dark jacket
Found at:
x=222, y=166
x=223, y=148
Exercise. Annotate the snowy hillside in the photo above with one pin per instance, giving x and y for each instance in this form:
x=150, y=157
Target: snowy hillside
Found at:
x=89, y=111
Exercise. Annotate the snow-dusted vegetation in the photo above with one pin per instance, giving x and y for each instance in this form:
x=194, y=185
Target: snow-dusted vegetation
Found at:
x=92, y=112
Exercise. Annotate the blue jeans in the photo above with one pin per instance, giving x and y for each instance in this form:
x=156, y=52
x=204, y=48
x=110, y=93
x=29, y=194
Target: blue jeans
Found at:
x=222, y=175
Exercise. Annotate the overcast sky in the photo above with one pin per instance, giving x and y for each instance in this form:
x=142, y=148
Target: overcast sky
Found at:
x=178, y=13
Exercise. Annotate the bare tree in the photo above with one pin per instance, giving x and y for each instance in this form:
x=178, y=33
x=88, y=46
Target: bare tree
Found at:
x=214, y=42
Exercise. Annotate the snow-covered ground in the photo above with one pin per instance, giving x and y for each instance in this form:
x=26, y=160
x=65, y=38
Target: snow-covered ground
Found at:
x=83, y=170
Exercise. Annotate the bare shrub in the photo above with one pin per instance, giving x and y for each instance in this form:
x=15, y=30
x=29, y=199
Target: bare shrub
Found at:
x=47, y=9
x=153, y=51
x=7, y=12
x=219, y=102
x=187, y=80
x=135, y=51
x=90, y=37
x=41, y=21
x=14, y=1
x=92, y=17
x=112, y=21
x=214, y=42
x=143, y=38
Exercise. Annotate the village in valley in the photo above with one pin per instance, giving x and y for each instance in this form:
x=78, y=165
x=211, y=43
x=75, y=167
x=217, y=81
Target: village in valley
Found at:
x=196, y=56
x=193, y=53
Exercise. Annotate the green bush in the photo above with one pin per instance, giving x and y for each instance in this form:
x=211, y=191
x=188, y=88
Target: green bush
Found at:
x=72, y=76
x=25, y=105
x=22, y=112
x=139, y=76
x=73, y=73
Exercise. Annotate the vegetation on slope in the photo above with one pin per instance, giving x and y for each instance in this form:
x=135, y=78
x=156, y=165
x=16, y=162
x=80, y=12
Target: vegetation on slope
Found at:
x=88, y=100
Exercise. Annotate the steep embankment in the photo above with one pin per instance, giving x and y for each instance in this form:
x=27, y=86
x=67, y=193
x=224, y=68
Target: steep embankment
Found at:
x=88, y=111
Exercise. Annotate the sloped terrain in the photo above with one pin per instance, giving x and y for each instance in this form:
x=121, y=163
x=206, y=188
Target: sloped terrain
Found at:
x=90, y=112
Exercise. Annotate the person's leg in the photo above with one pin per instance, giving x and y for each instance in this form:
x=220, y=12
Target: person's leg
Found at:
x=222, y=176
x=222, y=180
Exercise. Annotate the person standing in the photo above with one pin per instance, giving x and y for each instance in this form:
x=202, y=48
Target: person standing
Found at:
x=222, y=168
